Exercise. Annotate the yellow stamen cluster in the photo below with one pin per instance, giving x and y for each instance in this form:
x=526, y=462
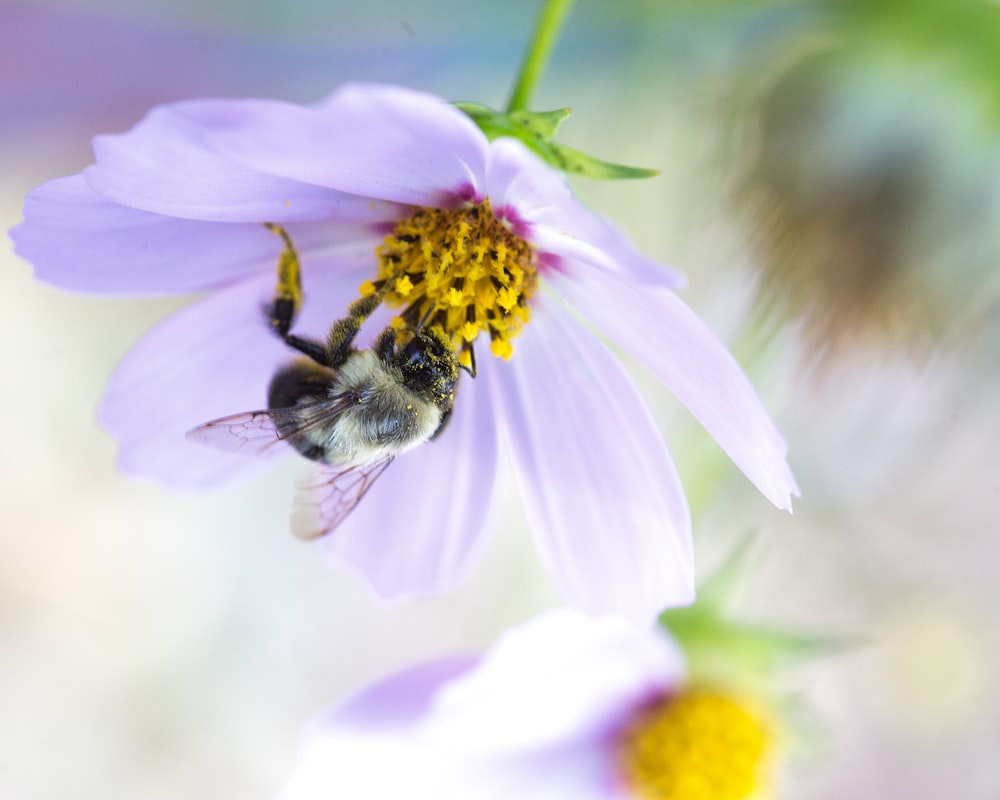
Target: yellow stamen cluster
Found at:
x=460, y=269
x=697, y=745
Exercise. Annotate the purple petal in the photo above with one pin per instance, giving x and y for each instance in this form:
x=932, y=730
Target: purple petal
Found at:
x=344, y=754
x=213, y=358
x=77, y=240
x=399, y=700
x=658, y=329
x=557, y=680
x=529, y=719
x=602, y=494
x=167, y=164
x=420, y=527
x=377, y=141
x=544, y=210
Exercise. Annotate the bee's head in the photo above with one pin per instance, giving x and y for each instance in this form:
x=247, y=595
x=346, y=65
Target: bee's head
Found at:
x=429, y=365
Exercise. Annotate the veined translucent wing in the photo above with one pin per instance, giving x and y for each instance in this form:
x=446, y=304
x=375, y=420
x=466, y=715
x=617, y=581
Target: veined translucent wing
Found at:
x=267, y=432
x=324, y=500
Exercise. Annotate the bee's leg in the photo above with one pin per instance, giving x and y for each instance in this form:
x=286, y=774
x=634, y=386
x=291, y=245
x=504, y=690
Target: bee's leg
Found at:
x=288, y=294
x=342, y=332
x=471, y=368
x=385, y=345
x=283, y=309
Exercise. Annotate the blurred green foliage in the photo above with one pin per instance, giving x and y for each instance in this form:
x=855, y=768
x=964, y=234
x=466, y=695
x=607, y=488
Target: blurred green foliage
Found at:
x=722, y=649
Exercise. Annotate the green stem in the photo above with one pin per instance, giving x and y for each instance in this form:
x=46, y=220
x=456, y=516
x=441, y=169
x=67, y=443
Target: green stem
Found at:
x=549, y=22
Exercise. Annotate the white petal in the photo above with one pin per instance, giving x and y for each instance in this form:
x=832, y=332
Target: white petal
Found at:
x=583, y=771
x=362, y=766
x=367, y=748
x=533, y=718
x=557, y=681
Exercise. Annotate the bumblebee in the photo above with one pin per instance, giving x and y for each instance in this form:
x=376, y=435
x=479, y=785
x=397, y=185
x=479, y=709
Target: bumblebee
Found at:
x=352, y=411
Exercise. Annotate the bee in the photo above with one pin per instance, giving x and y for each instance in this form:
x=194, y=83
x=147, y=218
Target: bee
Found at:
x=352, y=411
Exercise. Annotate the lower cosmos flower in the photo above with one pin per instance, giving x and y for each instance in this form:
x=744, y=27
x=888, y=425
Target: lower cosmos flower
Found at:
x=395, y=195
x=564, y=707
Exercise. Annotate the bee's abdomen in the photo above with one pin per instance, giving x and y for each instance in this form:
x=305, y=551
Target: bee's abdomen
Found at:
x=299, y=380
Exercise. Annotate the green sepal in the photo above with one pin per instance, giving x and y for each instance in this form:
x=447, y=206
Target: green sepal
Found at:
x=539, y=126
x=535, y=129
x=574, y=162
x=542, y=124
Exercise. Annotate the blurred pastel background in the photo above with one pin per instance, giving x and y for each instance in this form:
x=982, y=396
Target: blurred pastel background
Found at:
x=831, y=186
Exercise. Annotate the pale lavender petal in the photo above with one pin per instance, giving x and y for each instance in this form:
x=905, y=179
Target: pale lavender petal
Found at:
x=529, y=719
x=167, y=164
x=77, y=240
x=560, y=679
x=365, y=765
x=546, y=212
x=601, y=492
x=344, y=754
x=421, y=526
x=665, y=335
x=397, y=701
x=581, y=771
x=213, y=358
x=377, y=141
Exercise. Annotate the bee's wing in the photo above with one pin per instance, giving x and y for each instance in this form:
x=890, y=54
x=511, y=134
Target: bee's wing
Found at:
x=250, y=433
x=265, y=432
x=325, y=500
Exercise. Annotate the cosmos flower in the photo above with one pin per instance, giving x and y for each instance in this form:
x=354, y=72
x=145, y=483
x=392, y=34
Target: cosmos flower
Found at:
x=563, y=707
x=189, y=200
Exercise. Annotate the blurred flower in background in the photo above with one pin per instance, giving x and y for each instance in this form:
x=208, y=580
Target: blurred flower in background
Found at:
x=870, y=175
x=562, y=707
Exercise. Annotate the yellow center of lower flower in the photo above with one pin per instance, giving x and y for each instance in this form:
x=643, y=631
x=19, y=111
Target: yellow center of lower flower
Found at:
x=696, y=745
x=460, y=269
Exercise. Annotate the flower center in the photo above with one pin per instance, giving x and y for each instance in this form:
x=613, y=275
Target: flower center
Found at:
x=460, y=269
x=697, y=745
